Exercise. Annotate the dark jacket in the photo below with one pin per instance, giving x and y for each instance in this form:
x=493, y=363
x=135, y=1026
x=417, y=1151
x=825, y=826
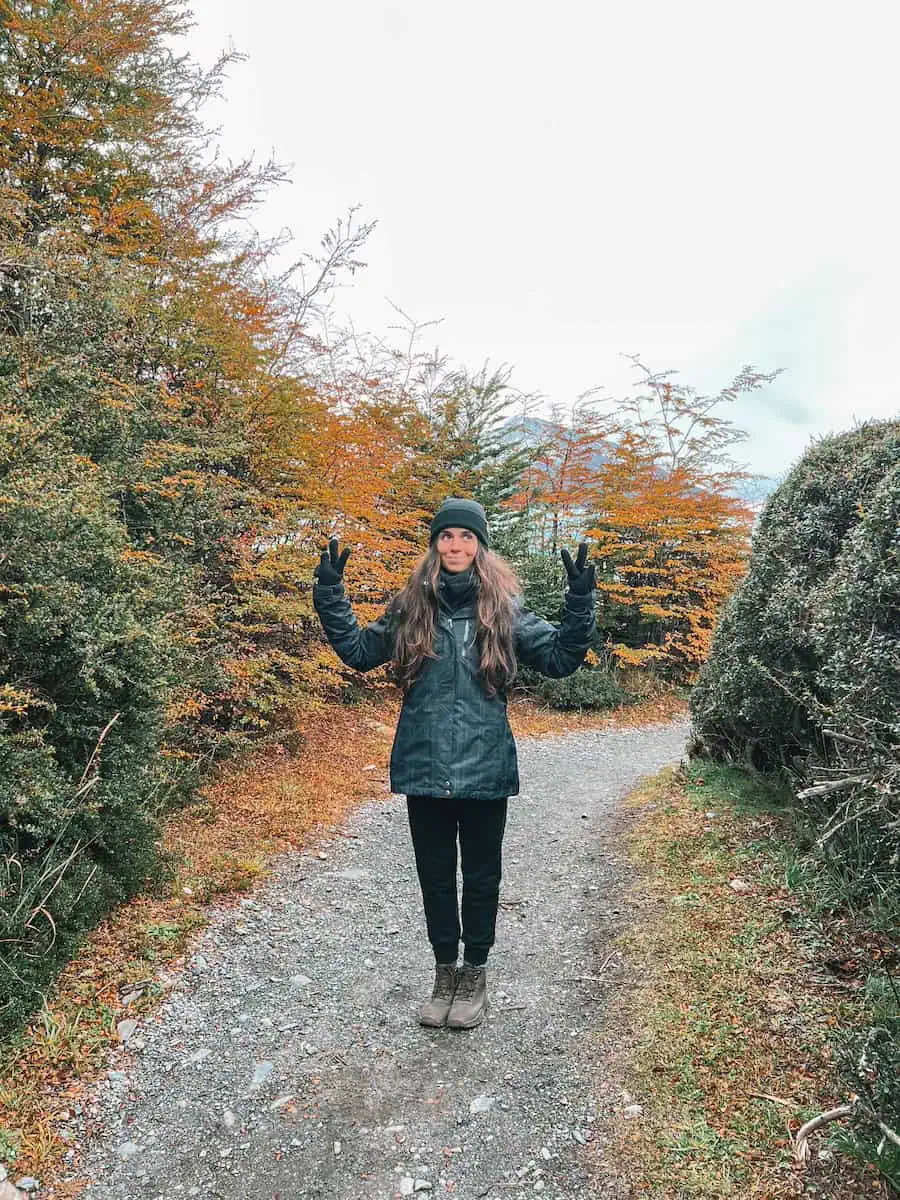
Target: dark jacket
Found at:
x=452, y=738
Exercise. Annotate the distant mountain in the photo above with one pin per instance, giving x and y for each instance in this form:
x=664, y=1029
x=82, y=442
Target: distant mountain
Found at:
x=531, y=431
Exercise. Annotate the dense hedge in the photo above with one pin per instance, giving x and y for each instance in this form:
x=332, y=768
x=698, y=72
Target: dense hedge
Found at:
x=804, y=679
x=590, y=688
x=856, y=636
x=805, y=670
x=83, y=642
x=756, y=699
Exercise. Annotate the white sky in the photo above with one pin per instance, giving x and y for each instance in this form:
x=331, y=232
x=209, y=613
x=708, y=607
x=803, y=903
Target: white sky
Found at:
x=706, y=184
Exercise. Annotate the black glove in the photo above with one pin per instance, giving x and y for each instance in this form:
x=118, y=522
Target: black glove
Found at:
x=331, y=566
x=581, y=578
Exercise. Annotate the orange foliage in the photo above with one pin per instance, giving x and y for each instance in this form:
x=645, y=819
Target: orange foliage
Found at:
x=101, y=155
x=561, y=482
x=670, y=543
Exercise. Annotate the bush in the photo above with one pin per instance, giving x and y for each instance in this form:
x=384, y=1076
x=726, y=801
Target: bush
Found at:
x=587, y=688
x=543, y=579
x=856, y=636
x=805, y=669
x=86, y=667
x=756, y=695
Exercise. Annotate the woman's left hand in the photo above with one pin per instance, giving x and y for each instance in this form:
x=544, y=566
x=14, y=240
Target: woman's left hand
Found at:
x=581, y=578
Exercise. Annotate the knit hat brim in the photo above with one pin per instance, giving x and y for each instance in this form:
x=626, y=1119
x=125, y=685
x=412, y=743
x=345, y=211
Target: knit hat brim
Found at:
x=462, y=514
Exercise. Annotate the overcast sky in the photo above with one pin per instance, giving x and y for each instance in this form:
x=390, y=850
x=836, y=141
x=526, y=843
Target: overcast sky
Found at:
x=705, y=184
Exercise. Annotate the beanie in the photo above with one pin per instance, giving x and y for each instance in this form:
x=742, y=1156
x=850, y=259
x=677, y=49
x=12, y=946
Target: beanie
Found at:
x=465, y=514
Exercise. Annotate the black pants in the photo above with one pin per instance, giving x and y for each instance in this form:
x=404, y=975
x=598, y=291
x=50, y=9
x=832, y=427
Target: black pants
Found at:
x=435, y=824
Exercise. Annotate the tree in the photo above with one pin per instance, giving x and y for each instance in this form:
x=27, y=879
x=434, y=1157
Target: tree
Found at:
x=149, y=330
x=557, y=485
x=671, y=535
x=684, y=427
x=669, y=552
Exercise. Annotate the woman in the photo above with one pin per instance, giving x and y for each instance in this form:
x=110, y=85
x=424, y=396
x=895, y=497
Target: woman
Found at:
x=454, y=634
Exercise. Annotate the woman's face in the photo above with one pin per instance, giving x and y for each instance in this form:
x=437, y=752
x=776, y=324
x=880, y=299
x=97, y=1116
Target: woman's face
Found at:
x=457, y=548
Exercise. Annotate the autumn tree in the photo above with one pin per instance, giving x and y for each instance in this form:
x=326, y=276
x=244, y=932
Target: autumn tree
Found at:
x=163, y=342
x=447, y=428
x=148, y=378
x=555, y=490
x=671, y=534
x=669, y=553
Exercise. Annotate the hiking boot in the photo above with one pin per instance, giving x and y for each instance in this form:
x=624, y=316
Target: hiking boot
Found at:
x=470, y=1002
x=434, y=1011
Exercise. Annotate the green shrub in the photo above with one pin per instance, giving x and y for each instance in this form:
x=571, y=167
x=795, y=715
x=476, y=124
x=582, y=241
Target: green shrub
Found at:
x=587, y=688
x=804, y=676
x=756, y=695
x=543, y=578
x=86, y=666
x=856, y=635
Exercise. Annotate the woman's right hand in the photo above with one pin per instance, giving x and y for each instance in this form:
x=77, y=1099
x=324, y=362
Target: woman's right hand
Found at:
x=330, y=570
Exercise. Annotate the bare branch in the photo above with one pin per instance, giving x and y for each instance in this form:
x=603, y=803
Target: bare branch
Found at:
x=833, y=785
x=801, y=1149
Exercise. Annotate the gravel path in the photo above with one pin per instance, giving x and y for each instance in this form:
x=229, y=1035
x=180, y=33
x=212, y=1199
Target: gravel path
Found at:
x=287, y=1062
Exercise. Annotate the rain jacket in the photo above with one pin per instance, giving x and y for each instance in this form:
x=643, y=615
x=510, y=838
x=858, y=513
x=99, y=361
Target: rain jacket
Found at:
x=453, y=739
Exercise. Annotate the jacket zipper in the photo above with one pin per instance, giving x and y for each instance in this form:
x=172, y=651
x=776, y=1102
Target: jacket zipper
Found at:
x=450, y=626
x=453, y=719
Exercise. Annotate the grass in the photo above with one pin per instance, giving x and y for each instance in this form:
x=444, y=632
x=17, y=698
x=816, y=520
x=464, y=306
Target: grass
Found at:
x=216, y=850
x=729, y=1010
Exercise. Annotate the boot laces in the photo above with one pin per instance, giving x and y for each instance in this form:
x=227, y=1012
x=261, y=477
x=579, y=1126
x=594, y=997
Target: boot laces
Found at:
x=444, y=982
x=468, y=982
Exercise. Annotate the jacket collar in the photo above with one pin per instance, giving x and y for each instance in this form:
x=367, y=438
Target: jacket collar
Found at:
x=457, y=589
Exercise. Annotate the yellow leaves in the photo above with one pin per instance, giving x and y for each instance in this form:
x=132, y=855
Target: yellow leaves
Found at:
x=651, y=611
x=174, y=487
x=630, y=655
x=141, y=556
x=159, y=454
x=85, y=463
x=675, y=548
x=107, y=400
x=188, y=706
x=169, y=399
x=16, y=700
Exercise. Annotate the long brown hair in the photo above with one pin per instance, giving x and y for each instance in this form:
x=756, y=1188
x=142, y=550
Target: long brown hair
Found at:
x=415, y=610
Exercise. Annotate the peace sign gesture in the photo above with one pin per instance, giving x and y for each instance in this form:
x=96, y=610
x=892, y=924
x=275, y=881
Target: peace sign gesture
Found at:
x=331, y=565
x=581, y=578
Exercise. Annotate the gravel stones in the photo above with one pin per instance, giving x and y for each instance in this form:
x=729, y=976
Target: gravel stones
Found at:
x=339, y=1060
x=125, y=1030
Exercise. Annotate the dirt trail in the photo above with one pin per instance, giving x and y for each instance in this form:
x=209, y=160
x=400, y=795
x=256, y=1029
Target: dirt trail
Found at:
x=287, y=1062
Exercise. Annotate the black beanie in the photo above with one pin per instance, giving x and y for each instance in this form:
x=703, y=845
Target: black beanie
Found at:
x=464, y=514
